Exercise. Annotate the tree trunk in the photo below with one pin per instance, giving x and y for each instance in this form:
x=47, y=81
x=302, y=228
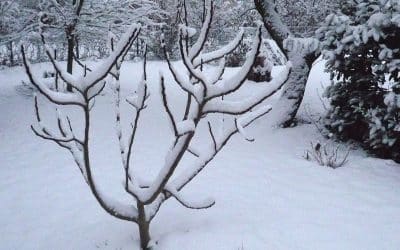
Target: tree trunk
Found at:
x=77, y=51
x=11, y=53
x=273, y=22
x=295, y=86
x=293, y=91
x=144, y=227
x=56, y=76
x=70, y=57
x=137, y=48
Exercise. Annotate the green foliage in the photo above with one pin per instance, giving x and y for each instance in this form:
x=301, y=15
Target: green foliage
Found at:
x=362, y=45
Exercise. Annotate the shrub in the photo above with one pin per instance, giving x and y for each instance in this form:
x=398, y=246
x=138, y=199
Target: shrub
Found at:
x=261, y=71
x=361, y=45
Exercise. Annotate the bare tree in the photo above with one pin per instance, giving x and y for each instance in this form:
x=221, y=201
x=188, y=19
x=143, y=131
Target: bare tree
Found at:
x=302, y=52
x=70, y=12
x=205, y=89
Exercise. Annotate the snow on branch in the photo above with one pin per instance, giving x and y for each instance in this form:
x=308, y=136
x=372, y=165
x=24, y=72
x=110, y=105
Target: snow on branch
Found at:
x=196, y=49
x=53, y=96
x=204, y=204
x=199, y=84
x=232, y=84
x=220, y=53
x=139, y=103
x=196, y=73
x=175, y=154
x=208, y=155
x=87, y=85
x=86, y=88
x=217, y=76
x=186, y=126
x=64, y=75
x=241, y=131
x=156, y=193
x=116, y=208
x=66, y=138
x=301, y=45
x=138, y=99
x=183, y=81
x=121, y=49
x=243, y=106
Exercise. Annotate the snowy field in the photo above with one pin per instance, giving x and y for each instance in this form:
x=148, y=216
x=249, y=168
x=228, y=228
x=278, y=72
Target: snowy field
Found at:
x=268, y=196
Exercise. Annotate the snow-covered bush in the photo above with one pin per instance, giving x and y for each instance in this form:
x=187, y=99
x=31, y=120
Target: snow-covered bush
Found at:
x=205, y=92
x=362, y=45
x=261, y=71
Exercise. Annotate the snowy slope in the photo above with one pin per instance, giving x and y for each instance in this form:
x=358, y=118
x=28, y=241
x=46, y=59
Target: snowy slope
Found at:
x=268, y=196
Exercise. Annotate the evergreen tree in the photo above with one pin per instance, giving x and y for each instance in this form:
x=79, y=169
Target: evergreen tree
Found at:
x=361, y=45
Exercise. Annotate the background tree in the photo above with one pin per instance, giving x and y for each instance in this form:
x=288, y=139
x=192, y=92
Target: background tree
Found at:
x=9, y=22
x=301, y=51
x=304, y=17
x=361, y=45
x=96, y=18
x=15, y=23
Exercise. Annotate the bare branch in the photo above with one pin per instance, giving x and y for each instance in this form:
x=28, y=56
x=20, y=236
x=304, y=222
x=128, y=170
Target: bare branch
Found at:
x=193, y=152
x=221, y=53
x=166, y=107
x=191, y=205
x=53, y=96
x=196, y=49
x=228, y=86
x=81, y=64
x=189, y=66
x=45, y=136
x=116, y=57
x=183, y=83
x=140, y=105
x=220, y=72
x=212, y=136
x=243, y=106
x=64, y=75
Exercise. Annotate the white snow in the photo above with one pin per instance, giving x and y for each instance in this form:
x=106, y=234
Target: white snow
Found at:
x=59, y=97
x=187, y=31
x=267, y=196
x=185, y=127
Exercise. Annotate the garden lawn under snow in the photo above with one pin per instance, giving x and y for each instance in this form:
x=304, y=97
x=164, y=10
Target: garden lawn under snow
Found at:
x=268, y=196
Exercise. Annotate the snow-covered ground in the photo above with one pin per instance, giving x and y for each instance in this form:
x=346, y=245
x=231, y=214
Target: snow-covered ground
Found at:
x=268, y=196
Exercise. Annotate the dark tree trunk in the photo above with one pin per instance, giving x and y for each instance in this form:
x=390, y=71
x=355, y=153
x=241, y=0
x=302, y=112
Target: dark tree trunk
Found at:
x=137, y=47
x=144, y=227
x=70, y=57
x=11, y=53
x=273, y=22
x=77, y=51
x=56, y=76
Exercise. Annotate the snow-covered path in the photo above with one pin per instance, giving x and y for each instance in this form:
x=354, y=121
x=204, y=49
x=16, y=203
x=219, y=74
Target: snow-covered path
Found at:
x=268, y=196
